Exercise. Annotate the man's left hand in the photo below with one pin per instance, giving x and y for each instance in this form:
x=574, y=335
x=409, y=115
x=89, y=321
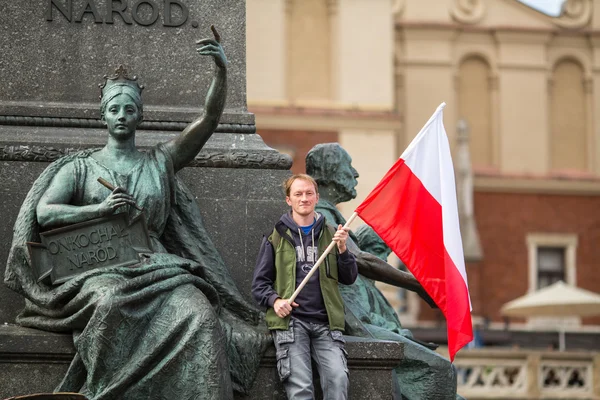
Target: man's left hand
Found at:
x=340, y=238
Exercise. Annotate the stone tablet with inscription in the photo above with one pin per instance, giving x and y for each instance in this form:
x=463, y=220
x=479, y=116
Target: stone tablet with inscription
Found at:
x=102, y=242
x=55, y=52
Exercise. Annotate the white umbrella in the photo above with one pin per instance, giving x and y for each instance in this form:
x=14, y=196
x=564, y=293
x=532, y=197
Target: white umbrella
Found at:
x=556, y=300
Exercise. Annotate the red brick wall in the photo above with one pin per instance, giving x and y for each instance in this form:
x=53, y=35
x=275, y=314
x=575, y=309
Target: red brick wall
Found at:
x=298, y=143
x=503, y=221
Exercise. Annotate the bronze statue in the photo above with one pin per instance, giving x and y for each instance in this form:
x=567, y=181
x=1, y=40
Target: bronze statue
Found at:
x=423, y=374
x=164, y=327
x=367, y=240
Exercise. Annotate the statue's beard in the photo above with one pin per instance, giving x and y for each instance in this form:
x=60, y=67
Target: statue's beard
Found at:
x=345, y=192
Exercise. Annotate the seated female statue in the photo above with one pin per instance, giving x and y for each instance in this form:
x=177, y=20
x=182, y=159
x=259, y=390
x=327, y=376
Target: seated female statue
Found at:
x=171, y=326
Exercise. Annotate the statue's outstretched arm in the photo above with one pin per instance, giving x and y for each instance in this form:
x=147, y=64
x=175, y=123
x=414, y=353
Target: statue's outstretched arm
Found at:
x=53, y=209
x=374, y=268
x=184, y=147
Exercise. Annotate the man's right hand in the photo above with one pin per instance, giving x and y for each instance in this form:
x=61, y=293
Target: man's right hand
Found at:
x=283, y=308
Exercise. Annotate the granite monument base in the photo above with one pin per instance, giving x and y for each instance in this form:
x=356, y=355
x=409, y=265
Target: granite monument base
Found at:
x=33, y=361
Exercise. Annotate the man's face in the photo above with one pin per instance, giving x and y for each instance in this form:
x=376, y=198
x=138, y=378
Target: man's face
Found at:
x=346, y=178
x=303, y=197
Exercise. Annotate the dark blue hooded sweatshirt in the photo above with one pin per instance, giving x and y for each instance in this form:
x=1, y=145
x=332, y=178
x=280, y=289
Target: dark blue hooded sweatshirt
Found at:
x=311, y=307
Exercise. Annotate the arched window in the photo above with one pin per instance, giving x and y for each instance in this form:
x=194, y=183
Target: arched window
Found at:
x=474, y=106
x=309, y=50
x=568, y=117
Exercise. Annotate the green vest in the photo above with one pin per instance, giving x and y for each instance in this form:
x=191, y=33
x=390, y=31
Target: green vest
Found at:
x=285, y=279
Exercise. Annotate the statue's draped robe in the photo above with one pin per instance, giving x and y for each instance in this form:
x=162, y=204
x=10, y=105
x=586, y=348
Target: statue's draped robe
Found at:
x=169, y=327
x=423, y=374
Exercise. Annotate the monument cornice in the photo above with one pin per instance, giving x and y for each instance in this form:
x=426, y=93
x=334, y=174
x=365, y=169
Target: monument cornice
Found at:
x=206, y=158
x=223, y=150
x=19, y=120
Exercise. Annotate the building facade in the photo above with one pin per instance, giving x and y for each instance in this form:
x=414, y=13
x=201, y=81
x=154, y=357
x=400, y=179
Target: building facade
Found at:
x=369, y=73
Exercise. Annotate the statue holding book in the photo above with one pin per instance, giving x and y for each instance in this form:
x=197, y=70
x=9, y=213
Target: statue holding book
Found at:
x=161, y=327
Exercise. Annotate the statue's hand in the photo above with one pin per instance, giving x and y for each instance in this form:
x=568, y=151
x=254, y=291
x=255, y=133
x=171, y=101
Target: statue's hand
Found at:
x=118, y=198
x=212, y=47
x=425, y=296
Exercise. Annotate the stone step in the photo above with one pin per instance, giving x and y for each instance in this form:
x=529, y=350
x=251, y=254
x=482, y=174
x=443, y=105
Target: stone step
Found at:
x=34, y=361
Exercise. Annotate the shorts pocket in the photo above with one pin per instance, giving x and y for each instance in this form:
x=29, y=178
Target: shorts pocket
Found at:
x=345, y=359
x=283, y=364
x=283, y=337
x=338, y=338
x=282, y=342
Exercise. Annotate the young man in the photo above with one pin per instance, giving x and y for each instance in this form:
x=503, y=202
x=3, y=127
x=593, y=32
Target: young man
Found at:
x=311, y=327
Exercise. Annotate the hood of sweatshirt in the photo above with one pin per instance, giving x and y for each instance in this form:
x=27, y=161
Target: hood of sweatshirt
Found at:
x=311, y=305
x=289, y=222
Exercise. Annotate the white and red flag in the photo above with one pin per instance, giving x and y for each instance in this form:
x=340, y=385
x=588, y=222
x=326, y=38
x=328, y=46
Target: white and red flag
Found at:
x=414, y=210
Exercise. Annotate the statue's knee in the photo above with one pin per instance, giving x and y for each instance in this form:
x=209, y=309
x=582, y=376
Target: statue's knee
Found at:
x=196, y=309
x=104, y=304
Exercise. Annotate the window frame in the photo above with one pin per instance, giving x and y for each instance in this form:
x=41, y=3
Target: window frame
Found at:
x=568, y=241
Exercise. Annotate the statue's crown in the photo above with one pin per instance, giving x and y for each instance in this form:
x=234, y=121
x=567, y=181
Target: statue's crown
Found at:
x=120, y=77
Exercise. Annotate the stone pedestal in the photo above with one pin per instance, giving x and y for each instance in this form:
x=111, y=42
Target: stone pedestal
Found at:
x=33, y=361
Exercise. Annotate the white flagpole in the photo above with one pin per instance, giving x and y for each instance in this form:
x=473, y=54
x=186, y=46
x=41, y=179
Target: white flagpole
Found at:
x=319, y=261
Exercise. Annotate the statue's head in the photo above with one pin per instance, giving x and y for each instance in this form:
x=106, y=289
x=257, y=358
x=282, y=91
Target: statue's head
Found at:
x=121, y=89
x=331, y=166
x=370, y=242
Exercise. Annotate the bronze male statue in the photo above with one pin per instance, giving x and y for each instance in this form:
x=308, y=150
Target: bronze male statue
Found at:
x=367, y=240
x=423, y=374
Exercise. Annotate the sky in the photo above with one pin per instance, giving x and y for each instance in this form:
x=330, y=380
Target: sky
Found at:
x=550, y=7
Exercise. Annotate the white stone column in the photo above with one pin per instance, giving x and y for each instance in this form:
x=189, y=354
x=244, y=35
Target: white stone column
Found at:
x=595, y=96
x=525, y=129
x=364, y=82
x=364, y=43
x=495, y=120
x=428, y=79
x=591, y=140
x=266, y=51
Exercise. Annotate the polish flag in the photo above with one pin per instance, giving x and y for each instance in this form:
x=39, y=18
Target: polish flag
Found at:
x=414, y=210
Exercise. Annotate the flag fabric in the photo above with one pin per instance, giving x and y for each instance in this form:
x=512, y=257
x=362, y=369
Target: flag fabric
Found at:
x=414, y=210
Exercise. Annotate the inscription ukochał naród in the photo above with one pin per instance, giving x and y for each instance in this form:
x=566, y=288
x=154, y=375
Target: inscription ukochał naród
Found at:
x=143, y=13
x=102, y=242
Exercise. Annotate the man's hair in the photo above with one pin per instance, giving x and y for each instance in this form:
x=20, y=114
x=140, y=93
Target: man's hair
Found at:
x=287, y=184
x=322, y=162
